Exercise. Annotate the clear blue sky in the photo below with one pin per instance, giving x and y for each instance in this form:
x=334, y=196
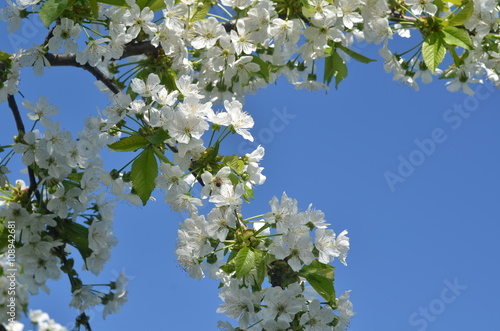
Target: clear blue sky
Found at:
x=424, y=253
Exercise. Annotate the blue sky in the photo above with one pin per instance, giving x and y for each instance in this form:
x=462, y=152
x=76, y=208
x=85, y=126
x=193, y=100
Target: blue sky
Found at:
x=423, y=250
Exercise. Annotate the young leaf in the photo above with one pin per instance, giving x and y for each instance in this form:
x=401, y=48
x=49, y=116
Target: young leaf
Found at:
x=244, y=261
x=334, y=67
x=118, y=3
x=463, y=15
x=264, y=68
x=354, y=55
x=158, y=137
x=201, y=11
x=328, y=72
x=156, y=5
x=4, y=56
x=458, y=37
x=76, y=235
x=433, y=50
x=143, y=174
x=324, y=287
x=129, y=144
x=321, y=278
x=233, y=162
x=51, y=10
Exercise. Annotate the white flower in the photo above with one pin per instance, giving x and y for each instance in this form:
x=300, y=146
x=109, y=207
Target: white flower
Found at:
x=242, y=68
x=35, y=57
x=94, y=53
x=420, y=6
x=238, y=303
x=349, y=14
x=138, y=20
x=457, y=85
x=344, y=308
x=317, y=317
x=84, y=297
x=184, y=127
x=62, y=34
x=219, y=222
x=237, y=118
x=11, y=15
x=297, y=248
x=150, y=88
x=213, y=183
x=282, y=304
x=242, y=39
x=228, y=195
x=41, y=109
x=281, y=213
x=207, y=33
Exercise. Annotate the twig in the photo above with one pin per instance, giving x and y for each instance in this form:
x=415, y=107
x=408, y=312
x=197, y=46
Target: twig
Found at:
x=70, y=61
x=20, y=128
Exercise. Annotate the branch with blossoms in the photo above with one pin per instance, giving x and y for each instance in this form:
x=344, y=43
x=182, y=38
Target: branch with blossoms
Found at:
x=178, y=73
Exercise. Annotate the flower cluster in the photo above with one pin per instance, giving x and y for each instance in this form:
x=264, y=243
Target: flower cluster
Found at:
x=286, y=246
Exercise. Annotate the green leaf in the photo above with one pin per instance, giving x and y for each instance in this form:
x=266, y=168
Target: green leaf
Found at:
x=143, y=174
x=118, y=3
x=129, y=144
x=328, y=73
x=77, y=236
x=321, y=278
x=339, y=68
x=461, y=17
x=201, y=11
x=354, y=55
x=168, y=78
x=264, y=68
x=234, y=162
x=4, y=56
x=95, y=8
x=433, y=50
x=158, y=137
x=75, y=176
x=156, y=5
x=455, y=2
x=458, y=37
x=324, y=287
x=51, y=10
x=249, y=192
x=4, y=235
x=334, y=67
x=442, y=7
x=244, y=261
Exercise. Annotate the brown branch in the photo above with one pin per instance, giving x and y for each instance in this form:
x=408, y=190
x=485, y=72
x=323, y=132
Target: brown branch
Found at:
x=70, y=61
x=20, y=128
x=142, y=47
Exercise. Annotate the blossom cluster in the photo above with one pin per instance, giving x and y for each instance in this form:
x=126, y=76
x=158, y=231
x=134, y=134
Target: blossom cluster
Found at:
x=280, y=245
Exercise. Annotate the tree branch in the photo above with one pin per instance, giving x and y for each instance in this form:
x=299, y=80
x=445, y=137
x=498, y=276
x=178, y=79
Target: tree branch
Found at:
x=20, y=128
x=70, y=60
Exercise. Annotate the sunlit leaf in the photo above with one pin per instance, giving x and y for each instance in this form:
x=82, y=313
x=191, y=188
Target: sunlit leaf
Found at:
x=244, y=261
x=51, y=10
x=129, y=144
x=143, y=174
x=433, y=50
